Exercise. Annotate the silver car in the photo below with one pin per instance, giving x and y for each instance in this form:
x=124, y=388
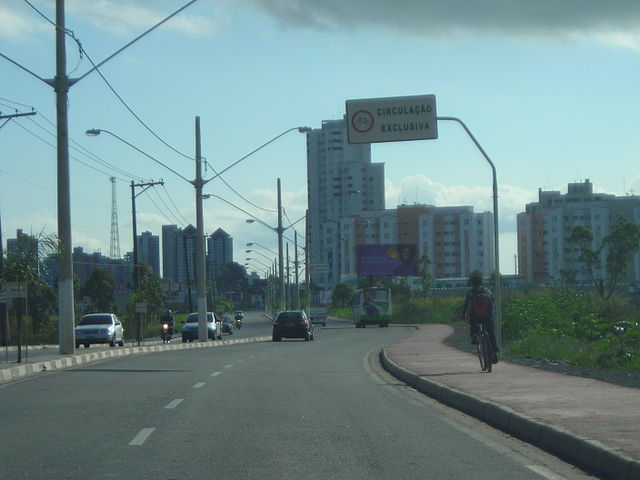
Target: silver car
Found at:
x=99, y=328
x=190, y=329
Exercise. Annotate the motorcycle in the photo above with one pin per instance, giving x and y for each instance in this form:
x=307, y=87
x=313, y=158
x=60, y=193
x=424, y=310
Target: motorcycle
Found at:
x=238, y=323
x=165, y=332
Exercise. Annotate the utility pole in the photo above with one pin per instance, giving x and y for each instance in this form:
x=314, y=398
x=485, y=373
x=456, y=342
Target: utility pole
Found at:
x=203, y=334
x=136, y=271
x=288, y=282
x=3, y=301
x=14, y=115
x=295, y=256
x=61, y=84
x=280, y=230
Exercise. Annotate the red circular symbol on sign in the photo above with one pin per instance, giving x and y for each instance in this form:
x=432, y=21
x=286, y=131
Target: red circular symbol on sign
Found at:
x=362, y=121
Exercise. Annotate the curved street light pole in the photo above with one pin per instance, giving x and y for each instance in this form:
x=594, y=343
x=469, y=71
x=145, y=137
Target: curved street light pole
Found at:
x=251, y=244
x=498, y=280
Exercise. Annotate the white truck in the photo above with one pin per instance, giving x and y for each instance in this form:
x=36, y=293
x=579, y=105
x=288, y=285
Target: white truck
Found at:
x=318, y=314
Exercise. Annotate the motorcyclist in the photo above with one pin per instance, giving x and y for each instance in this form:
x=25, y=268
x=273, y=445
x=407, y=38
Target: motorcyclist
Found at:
x=167, y=318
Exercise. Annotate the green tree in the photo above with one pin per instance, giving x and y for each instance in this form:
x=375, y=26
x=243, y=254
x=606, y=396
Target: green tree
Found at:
x=425, y=275
x=150, y=291
x=23, y=265
x=231, y=276
x=42, y=303
x=223, y=305
x=99, y=289
x=620, y=247
x=342, y=294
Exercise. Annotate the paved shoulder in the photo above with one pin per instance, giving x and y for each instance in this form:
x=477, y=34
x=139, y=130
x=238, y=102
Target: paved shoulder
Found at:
x=593, y=423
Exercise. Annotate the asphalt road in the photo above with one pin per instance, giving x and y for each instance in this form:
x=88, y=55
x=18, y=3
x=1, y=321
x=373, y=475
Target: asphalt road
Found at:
x=292, y=409
x=34, y=353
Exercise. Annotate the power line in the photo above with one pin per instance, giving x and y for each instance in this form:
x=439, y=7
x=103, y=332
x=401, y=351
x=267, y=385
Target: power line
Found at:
x=175, y=213
x=78, y=149
x=17, y=177
x=186, y=222
x=86, y=152
x=70, y=156
x=82, y=51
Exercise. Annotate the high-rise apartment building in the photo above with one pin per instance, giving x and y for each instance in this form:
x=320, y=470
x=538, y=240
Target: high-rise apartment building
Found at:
x=342, y=182
x=178, y=253
x=544, y=253
x=219, y=252
x=149, y=250
x=170, y=252
x=457, y=240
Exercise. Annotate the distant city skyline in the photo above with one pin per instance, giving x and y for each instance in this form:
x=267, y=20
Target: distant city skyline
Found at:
x=520, y=74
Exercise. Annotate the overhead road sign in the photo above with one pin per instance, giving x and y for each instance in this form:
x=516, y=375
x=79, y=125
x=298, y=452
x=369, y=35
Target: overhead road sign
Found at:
x=319, y=268
x=16, y=290
x=392, y=119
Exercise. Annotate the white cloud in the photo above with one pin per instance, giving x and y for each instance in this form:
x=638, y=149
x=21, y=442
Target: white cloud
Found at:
x=17, y=26
x=421, y=189
x=137, y=16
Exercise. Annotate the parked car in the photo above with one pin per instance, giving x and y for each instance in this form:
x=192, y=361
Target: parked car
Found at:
x=227, y=325
x=99, y=328
x=190, y=329
x=292, y=324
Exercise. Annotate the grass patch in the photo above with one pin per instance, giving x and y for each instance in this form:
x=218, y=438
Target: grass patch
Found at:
x=564, y=349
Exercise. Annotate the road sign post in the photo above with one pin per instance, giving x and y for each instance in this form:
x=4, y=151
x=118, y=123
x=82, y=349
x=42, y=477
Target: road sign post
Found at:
x=395, y=119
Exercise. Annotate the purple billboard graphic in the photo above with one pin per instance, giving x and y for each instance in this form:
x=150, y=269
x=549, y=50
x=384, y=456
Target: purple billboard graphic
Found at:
x=398, y=259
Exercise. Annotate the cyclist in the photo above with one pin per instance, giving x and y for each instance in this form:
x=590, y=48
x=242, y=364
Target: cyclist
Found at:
x=479, y=307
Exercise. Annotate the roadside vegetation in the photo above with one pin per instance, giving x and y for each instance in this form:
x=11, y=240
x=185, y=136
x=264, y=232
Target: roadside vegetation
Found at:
x=577, y=327
x=583, y=327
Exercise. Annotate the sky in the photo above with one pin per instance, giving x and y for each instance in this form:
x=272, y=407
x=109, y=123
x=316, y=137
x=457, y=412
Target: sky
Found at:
x=548, y=88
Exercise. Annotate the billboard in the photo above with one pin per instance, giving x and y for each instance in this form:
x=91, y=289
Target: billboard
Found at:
x=396, y=259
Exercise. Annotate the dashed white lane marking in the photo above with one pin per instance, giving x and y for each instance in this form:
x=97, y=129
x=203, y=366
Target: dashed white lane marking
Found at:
x=199, y=385
x=228, y=366
x=543, y=472
x=174, y=403
x=142, y=436
x=214, y=374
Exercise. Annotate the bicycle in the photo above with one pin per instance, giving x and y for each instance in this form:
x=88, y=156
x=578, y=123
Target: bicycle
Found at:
x=485, y=351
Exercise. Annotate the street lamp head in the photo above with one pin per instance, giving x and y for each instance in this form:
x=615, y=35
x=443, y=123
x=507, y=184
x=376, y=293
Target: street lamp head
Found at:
x=93, y=132
x=304, y=129
x=250, y=244
x=250, y=220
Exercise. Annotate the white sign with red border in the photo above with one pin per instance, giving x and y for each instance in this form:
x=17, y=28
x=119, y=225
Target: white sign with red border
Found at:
x=392, y=119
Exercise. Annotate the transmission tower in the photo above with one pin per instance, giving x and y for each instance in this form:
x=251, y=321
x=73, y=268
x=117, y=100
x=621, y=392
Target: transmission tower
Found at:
x=114, y=250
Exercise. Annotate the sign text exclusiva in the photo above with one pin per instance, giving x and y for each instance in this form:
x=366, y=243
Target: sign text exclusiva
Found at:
x=407, y=126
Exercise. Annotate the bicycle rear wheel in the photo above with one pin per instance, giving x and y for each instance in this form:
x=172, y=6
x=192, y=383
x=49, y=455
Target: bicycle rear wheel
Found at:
x=486, y=348
x=481, y=351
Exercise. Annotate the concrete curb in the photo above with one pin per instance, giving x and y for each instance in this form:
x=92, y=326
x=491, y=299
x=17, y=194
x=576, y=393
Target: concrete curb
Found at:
x=588, y=454
x=12, y=374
